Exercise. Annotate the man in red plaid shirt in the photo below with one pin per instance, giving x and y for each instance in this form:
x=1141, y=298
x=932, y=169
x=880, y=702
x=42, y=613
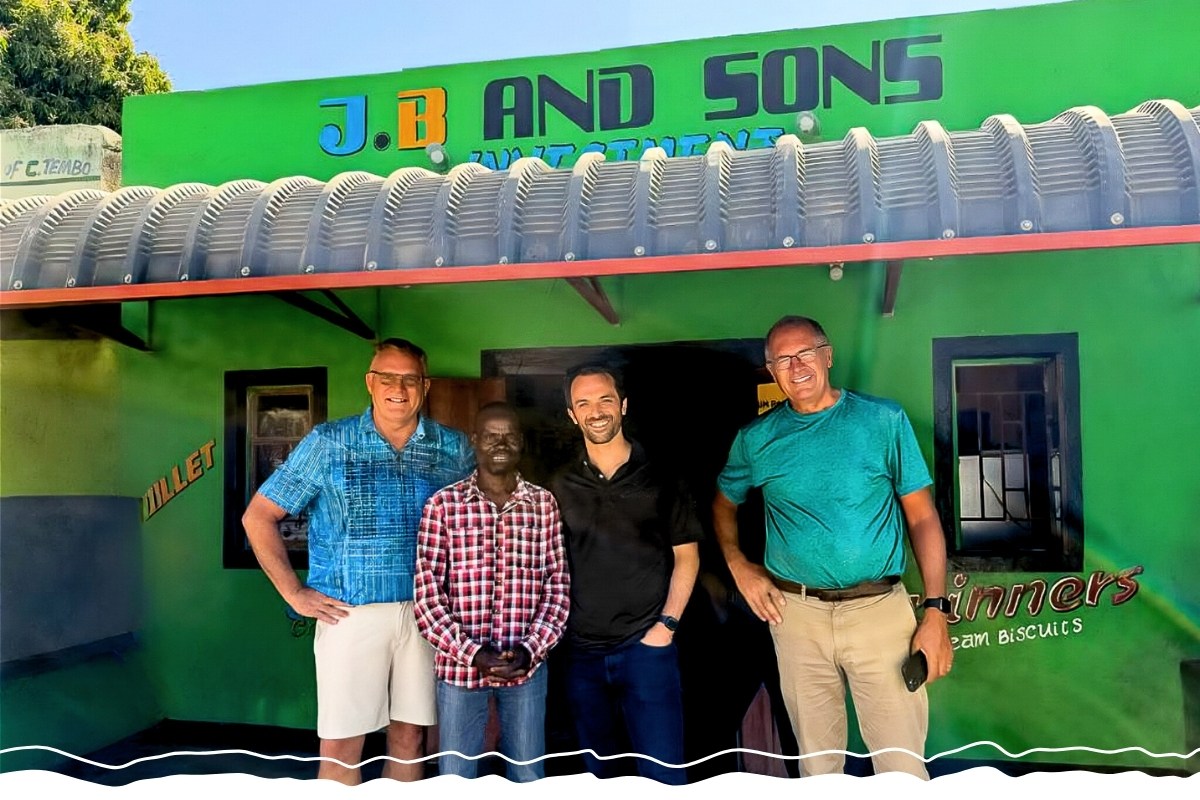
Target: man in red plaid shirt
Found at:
x=491, y=596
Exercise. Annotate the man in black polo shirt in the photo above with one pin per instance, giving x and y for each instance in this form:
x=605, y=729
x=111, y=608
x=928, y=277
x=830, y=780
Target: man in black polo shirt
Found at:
x=631, y=536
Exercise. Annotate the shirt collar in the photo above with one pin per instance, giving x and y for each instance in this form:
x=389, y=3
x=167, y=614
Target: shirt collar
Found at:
x=366, y=425
x=816, y=416
x=637, y=457
x=521, y=494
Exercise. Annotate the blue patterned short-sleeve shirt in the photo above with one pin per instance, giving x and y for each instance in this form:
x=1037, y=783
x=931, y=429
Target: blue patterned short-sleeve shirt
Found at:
x=364, y=500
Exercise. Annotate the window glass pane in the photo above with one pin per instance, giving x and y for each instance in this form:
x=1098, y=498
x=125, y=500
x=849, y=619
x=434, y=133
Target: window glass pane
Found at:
x=968, y=426
x=1014, y=431
x=282, y=422
x=280, y=412
x=1014, y=470
x=993, y=507
x=1014, y=503
x=968, y=484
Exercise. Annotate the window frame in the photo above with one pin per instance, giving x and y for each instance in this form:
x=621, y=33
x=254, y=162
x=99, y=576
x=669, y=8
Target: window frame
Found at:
x=1062, y=350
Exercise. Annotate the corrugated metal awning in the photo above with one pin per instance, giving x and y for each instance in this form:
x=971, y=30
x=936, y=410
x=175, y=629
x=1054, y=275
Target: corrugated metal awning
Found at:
x=1133, y=178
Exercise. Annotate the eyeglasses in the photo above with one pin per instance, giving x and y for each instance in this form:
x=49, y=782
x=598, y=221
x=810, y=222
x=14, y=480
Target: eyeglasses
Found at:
x=394, y=379
x=806, y=357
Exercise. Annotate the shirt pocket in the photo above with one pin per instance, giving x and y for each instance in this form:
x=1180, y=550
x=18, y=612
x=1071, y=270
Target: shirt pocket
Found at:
x=527, y=551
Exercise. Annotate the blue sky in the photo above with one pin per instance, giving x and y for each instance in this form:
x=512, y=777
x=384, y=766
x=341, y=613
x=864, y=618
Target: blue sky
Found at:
x=208, y=44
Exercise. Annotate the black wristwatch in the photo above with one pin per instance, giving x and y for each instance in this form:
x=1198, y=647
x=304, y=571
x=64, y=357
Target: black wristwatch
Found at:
x=940, y=603
x=670, y=622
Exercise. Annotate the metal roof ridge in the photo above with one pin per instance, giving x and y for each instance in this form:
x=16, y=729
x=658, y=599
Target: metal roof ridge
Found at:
x=1081, y=172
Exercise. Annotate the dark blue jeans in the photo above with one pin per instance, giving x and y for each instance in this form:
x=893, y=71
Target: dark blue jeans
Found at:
x=640, y=685
x=462, y=720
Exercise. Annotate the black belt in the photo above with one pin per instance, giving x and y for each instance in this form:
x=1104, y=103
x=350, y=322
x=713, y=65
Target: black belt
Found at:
x=864, y=589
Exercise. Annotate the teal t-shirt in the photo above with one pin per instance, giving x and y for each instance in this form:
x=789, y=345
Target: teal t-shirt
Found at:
x=831, y=483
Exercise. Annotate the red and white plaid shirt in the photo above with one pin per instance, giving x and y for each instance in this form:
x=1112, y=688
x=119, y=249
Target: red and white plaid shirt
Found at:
x=489, y=576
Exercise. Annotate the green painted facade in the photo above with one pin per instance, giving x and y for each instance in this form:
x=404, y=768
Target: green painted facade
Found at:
x=216, y=645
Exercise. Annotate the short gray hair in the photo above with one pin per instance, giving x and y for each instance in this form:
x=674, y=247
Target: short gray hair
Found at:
x=406, y=347
x=787, y=323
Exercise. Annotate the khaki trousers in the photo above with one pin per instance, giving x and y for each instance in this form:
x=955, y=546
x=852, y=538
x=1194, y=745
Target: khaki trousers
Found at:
x=824, y=646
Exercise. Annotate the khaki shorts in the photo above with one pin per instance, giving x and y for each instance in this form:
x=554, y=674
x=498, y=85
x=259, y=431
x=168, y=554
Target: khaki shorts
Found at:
x=373, y=666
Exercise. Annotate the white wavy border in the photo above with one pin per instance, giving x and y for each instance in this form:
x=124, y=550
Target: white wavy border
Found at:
x=423, y=759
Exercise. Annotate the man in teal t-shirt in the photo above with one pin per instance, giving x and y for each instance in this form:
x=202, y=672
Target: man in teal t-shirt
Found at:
x=841, y=476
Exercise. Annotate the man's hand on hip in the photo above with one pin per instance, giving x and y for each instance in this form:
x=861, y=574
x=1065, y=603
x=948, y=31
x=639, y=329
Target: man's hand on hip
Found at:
x=311, y=603
x=761, y=593
x=933, y=637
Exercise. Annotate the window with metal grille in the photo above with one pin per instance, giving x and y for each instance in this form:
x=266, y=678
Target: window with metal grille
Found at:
x=1007, y=466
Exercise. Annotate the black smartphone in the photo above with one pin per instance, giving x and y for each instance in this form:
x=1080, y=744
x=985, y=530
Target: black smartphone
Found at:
x=915, y=670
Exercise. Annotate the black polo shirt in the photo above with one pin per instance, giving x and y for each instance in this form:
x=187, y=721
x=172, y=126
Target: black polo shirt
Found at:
x=619, y=534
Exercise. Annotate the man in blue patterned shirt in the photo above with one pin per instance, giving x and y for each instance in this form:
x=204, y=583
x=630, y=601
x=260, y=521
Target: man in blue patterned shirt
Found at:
x=363, y=481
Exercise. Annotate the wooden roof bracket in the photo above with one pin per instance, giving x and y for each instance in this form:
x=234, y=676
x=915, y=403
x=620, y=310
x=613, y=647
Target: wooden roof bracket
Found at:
x=591, y=291
x=341, y=315
x=891, y=286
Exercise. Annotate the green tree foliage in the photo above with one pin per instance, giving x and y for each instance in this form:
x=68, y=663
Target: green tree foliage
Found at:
x=70, y=62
